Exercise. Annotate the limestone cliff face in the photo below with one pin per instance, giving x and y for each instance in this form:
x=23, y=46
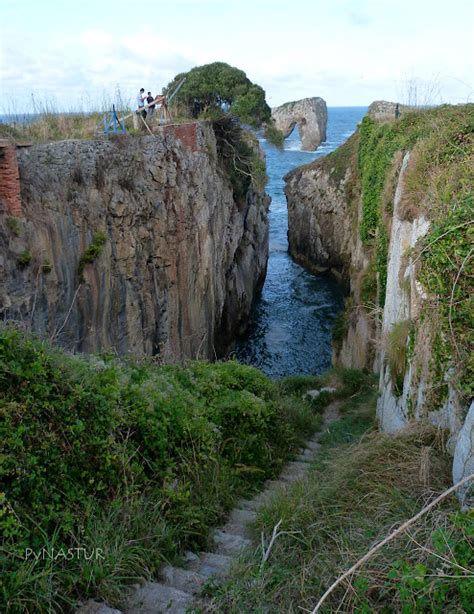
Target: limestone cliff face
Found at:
x=173, y=262
x=311, y=117
x=319, y=228
x=325, y=216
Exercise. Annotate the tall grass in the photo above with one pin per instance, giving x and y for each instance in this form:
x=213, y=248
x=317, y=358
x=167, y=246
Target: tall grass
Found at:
x=45, y=119
x=362, y=486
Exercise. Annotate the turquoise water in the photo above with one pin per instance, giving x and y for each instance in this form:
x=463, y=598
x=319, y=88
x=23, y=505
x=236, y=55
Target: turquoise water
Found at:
x=291, y=322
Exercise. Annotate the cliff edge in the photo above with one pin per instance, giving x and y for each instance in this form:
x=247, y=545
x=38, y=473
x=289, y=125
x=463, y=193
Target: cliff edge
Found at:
x=391, y=212
x=132, y=244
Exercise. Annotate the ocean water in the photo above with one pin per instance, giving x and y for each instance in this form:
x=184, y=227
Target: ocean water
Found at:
x=291, y=322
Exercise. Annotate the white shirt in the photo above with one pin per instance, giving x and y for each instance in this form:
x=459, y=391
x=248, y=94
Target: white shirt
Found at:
x=140, y=98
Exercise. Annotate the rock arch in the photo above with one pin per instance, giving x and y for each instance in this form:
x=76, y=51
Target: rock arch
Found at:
x=311, y=117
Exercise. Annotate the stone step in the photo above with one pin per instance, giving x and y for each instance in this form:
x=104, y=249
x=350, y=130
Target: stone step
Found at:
x=157, y=598
x=242, y=516
x=264, y=497
x=96, y=607
x=229, y=543
x=210, y=564
x=313, y=445
x=306, y=455
x=182, y=579
x=237, y=528
x=291, y=475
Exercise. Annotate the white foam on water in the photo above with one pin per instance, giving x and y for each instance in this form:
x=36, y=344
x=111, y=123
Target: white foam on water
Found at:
x=278, y=247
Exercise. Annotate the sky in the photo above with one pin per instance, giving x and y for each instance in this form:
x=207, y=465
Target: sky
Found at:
x=78, y=55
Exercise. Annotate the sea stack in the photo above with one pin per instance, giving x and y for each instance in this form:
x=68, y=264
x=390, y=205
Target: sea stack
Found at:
x=311, y=117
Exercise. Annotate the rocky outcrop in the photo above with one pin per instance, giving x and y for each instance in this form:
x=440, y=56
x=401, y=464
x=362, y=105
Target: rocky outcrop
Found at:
x=133, y=244
x=463, y=464
x=311, y=117
x=319, y=227
x=384, y=328
x=382, y=110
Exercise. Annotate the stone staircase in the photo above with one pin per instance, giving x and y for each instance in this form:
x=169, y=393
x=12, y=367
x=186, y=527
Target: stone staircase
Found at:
x=178, y=588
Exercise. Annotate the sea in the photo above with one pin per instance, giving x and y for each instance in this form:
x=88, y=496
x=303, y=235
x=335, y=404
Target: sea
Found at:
x=291, y=321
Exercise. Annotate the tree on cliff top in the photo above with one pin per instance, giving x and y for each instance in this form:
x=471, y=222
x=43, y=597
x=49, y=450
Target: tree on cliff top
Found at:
x=212, y=87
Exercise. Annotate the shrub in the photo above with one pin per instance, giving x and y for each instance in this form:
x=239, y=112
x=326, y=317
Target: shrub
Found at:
x=91, y=253
x=13, y=226
x=239, y=154
x=136, y=459
x=213, y=86
x=24, y=258
x=274, y=136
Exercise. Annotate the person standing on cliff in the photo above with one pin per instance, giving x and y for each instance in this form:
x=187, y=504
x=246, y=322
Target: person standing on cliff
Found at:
x=151, y=108
x=141, y=102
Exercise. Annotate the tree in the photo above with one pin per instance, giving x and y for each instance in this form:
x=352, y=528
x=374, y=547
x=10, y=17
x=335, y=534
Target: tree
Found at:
x=215, y=87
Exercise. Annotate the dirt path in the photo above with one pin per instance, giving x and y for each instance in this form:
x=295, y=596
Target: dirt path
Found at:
x=178, y=589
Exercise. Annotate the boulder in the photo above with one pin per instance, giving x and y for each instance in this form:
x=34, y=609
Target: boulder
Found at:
x=311, y=117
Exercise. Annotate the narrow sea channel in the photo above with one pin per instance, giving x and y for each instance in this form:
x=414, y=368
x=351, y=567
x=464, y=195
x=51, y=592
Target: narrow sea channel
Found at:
x=291, y=322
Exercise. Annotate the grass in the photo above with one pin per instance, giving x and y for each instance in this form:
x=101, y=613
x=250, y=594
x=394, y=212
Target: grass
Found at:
x=13, y=226
x=52, y=126
x=92, y=252
x=396, y=352
x=363, y=485
x=24, y=259
x=135, y=459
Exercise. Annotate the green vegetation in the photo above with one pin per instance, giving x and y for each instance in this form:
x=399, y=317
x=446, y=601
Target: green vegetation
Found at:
x=239, y=154
x=397, y=352
x=13, y=226
x=92, y=252
x=356, y=493
x=438, y=185
x=51, y=125
x=441, y=141
x=340, y=328
x=135, y=459
x=368, y=286
x=274, y=136
x=46, y=267
x=24, y=259
x=207, y=88
x=446, y=272
x=338, y=161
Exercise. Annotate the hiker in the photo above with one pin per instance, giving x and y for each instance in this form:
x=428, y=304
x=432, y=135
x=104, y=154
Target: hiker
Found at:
x=151, y=108
x=141, y=102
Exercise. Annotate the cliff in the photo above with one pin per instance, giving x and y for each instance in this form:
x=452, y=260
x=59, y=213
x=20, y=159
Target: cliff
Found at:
x=132, y=244
x=391, y=213
x=311, y=117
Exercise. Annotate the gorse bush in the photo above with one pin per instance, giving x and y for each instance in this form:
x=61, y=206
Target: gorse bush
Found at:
x=137, y=459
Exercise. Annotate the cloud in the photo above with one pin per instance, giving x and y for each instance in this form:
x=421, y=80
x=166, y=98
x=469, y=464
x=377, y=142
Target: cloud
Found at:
x=90, y=67
x=357, y=18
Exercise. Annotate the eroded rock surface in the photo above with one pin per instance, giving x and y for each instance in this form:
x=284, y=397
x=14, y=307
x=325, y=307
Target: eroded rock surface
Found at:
x=311, y=117
x=319, y=226
x=181, y=261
